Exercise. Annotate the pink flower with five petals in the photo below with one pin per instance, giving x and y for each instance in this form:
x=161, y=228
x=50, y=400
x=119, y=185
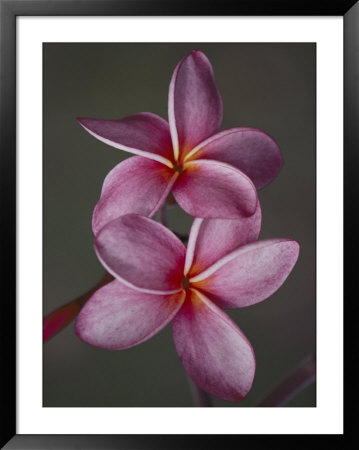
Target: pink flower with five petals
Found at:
x=158, y=280
x=211, y=174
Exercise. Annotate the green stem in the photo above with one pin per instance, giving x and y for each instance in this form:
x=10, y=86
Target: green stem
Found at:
x=199, y=397
x=292, y=384
x=163, y=215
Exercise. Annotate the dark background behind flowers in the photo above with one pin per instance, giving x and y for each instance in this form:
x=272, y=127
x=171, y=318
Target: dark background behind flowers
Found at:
x=267, y=86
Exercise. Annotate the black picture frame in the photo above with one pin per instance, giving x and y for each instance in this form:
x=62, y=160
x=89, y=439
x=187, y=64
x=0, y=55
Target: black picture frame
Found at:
x=9, y=10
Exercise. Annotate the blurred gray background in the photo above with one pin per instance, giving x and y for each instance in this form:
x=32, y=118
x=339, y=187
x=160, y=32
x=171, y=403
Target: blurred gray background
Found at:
x=267, y=86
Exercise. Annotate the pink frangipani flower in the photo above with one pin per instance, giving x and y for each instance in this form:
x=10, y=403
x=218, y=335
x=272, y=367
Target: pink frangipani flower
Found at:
x=157, y=281
x=211, y=174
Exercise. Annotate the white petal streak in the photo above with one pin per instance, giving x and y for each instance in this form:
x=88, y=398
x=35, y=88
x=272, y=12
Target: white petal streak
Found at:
x=226, y=259
x=171, y=114
x=192, y=244
x=135, y=151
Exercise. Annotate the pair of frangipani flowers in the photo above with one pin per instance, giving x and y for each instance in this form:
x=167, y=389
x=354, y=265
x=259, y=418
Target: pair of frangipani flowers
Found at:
x=214, y=176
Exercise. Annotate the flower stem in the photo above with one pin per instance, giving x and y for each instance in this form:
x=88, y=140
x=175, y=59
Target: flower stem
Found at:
x=163, y=215
x=292, y=384
x=199, y=397
x=57, y=320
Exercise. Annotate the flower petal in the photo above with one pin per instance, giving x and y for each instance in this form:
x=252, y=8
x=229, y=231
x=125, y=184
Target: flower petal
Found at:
x=250, y=274
x=250, y=150
x=215, y=190
x=213, y=350
x=142, y=254
x=211, y=239
x=136, y=185
x=118, y=317
x=144, y=134
x=194, y=103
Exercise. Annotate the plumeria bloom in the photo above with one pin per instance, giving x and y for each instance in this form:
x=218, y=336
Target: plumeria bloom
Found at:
x=157, y=281
x=210, y=173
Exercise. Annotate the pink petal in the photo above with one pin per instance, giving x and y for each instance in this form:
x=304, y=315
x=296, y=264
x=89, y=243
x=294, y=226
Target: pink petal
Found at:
x=215, y=190
x=250, y=150
x=141, y=253
x=136, y=185
x=250, y=274
x=213, y=350
x=143, y=134
x=194, y=102
x=211, y=239
x=118, y=317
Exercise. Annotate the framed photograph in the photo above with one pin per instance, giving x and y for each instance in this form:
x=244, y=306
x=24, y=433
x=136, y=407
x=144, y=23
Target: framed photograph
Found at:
x=121, y=127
